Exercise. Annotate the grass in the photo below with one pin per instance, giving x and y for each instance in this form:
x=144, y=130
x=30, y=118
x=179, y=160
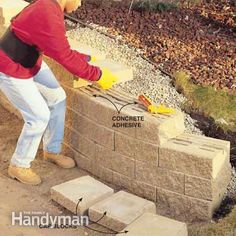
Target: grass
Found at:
x=224, y=227
x=217, y=104
x=153, y=5
x=162, y=5
x=221, y=106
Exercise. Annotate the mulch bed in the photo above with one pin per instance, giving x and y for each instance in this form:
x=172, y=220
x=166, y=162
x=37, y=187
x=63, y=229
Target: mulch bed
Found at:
x=200, y=39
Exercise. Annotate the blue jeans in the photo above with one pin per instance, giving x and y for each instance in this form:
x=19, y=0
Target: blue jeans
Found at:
x=42, y=102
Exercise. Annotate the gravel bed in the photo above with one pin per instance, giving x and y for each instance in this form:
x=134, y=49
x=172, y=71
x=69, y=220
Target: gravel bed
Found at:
x=147, y=79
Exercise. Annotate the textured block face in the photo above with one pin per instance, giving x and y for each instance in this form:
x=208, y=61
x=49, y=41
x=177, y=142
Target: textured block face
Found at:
x=213, y=189
x=116, y=162
x=121, y=209
x=159, y=177
x=155, y=225
x=137, y=149
x=182, y=207
x=138, y=188
x=90, y=190
x=205, y=163
x=190, y=157
x=101, y=172
x=83, y=162
x=89, y=129
x=122, y=181
x=159, y=128
x=97, y=109
x=11, y=8
x=155, y=129
x=198, y=187
x=144, y=190
x=80, y=143
x=220, y=184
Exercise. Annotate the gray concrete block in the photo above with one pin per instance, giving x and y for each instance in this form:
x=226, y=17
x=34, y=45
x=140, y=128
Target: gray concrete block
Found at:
x=121, y=209
x=89, y=189
x=155, y=225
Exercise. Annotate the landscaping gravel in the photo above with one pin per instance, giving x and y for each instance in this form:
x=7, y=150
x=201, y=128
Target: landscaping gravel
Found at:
x=147, y=79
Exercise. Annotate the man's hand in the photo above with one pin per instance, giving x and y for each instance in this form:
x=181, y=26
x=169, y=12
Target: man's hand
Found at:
x=107, y=79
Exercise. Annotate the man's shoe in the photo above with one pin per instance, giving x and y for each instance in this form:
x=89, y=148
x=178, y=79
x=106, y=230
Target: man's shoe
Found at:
x=59, y=159
x=24, y=175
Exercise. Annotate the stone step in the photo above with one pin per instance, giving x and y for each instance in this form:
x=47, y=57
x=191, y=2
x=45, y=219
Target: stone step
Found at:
x=88, y=189
x=154, y=225
x=10, y=8
x=121, y=209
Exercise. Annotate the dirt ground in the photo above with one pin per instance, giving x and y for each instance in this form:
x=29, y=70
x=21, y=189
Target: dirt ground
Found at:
x=17, y=197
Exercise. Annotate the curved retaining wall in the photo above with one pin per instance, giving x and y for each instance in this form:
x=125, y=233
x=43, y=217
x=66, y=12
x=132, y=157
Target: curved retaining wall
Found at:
x=186, y=175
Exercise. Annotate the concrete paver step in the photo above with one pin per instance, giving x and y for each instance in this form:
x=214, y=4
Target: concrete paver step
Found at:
x=154, y=225
x=121, y=209
x=88, y=189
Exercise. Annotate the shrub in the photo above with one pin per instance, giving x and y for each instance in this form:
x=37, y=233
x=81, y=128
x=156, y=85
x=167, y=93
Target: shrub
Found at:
x=152, y=5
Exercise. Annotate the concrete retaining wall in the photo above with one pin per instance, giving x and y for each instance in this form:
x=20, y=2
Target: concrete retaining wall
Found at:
x=186, y=175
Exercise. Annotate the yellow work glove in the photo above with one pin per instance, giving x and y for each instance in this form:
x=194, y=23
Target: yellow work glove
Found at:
x=93, y=59
x=107, y=79
x=161, y=109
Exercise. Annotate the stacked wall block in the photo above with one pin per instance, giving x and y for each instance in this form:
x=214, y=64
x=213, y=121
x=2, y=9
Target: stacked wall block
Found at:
x=186, y=175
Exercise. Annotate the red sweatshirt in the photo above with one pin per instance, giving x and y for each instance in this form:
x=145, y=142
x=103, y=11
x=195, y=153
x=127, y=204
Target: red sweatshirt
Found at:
x=42, y=24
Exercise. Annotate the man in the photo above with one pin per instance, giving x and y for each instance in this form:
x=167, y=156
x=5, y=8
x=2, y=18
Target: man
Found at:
x=32, y=88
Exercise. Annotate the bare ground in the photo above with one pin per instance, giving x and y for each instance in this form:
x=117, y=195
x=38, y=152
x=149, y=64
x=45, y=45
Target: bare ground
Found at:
x=17, y=197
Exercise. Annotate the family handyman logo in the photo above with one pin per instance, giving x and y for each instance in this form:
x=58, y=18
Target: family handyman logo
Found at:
x=45, y=220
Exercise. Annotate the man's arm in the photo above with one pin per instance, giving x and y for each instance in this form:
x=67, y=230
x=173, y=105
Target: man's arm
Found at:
x=52, y=41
